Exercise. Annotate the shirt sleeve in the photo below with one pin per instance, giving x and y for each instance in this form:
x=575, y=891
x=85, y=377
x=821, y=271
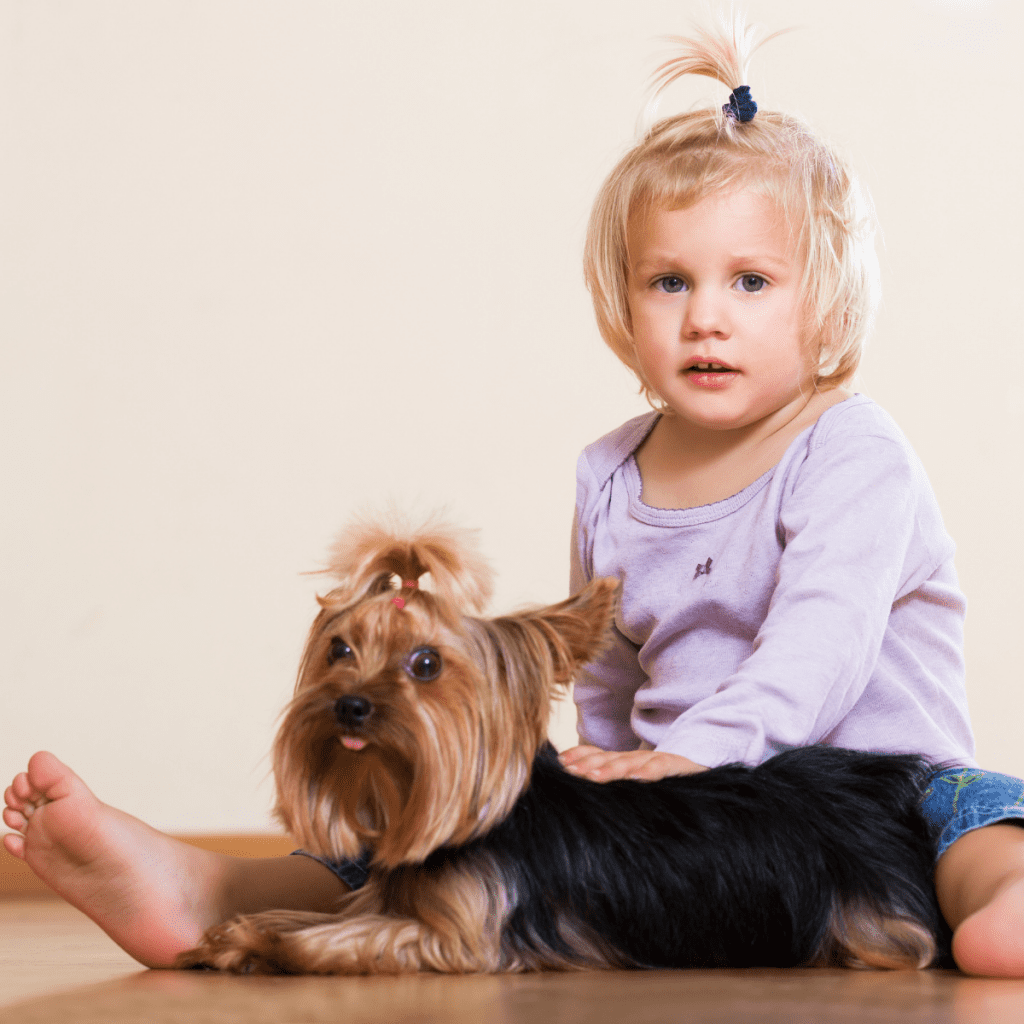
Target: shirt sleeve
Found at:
x=850, y=550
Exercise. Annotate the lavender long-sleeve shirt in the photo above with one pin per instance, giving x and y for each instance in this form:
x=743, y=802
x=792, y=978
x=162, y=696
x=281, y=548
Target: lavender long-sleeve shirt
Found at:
x=817, y=605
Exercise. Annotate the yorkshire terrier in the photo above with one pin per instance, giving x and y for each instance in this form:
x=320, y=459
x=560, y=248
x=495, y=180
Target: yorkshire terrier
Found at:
x=418, y=732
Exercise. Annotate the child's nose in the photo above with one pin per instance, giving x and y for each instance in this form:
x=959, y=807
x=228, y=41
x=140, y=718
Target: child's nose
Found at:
x=706, y=315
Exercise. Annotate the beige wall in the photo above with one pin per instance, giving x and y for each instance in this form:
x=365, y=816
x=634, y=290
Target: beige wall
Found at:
x=265, y=263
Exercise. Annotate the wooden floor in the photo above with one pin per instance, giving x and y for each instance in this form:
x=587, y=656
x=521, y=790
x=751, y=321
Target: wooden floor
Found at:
x=56, y=966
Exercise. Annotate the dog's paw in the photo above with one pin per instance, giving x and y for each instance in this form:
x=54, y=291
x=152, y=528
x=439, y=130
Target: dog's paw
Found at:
x=241, y=946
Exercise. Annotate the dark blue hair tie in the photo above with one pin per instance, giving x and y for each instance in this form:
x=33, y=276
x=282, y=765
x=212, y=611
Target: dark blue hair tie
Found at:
x=741, y=105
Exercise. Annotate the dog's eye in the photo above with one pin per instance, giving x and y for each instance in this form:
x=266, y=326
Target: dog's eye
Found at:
x=338, y=650
x=424, y=664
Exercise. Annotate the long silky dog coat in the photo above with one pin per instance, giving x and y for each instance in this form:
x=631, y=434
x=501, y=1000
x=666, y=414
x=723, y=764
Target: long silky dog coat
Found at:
x=418, y=731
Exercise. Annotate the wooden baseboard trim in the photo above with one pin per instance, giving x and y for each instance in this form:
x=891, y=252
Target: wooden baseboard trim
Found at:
x=18, y=882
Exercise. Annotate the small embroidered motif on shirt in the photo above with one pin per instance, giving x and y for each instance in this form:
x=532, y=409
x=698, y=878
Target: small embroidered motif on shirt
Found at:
x=703, y=570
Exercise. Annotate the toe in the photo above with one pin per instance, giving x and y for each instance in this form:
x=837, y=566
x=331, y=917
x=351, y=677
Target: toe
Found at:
x=15, y=845
x=15, y=819
x=20, y=789
x=49, y=776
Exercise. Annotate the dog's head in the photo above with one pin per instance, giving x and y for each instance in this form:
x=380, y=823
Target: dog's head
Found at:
x=415, y=723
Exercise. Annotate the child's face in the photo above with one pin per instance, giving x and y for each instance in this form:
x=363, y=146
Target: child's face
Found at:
x=718, y=283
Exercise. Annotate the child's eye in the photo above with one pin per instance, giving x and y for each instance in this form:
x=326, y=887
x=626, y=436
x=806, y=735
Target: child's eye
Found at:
x=670, y=284
x=751, y=282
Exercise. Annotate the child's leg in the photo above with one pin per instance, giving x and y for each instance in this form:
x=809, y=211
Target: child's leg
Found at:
x=154, y=896
x=980, y=885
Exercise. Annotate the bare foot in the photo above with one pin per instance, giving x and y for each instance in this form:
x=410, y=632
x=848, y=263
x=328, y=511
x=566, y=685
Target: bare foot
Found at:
x=154, y=896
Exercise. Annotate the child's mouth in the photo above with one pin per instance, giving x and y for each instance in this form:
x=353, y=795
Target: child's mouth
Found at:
x=710, y=375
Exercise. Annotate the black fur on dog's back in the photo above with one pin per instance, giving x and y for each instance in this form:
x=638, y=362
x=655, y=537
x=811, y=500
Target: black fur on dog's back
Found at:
x=732, y=867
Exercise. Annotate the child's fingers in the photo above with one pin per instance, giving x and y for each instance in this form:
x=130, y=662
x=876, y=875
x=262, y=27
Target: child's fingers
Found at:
x=573, y=754
x=623, y=766
x=605, y=765
x=592, y=762
x=661, y=765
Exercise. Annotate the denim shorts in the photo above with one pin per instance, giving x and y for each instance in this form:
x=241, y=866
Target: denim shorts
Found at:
x=959, y=800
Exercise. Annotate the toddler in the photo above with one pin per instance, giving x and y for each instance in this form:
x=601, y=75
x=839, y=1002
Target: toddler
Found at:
x=786, y=576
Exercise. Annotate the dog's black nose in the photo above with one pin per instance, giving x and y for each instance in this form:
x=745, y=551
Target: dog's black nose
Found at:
x=352, y=710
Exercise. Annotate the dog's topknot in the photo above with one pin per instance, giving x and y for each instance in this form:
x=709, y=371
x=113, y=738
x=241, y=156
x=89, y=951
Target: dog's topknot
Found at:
x=370, y=548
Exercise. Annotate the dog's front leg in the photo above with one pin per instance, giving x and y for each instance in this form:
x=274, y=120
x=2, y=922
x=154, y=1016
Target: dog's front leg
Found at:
x=451, y=928
x=255, y=943
x=360, y=945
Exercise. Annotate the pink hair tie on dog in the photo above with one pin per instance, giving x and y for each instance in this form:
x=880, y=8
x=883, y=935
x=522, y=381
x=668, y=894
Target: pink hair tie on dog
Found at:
x=399, y=602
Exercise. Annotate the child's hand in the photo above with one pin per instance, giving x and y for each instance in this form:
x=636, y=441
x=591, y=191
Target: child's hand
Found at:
x=646, y=765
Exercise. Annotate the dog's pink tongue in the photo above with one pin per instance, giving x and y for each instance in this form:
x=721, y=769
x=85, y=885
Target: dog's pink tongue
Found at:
x=353, y=743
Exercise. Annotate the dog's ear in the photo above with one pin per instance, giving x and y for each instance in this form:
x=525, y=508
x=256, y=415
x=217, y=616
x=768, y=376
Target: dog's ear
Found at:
x=368, y=553
x=582, y=624
x=554, y=642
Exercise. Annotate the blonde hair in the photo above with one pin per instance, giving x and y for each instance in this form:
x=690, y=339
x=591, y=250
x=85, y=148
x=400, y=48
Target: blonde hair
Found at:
x=684, y=159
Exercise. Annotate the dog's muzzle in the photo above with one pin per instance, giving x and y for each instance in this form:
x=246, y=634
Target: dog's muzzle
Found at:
x=352, y=711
